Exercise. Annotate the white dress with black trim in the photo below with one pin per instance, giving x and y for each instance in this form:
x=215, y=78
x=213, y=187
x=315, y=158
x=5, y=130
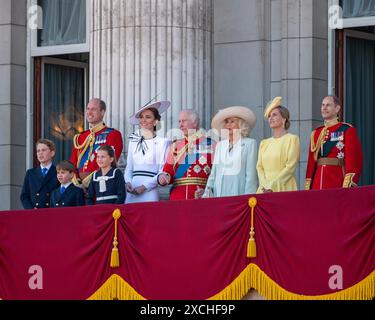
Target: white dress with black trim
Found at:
x=145, y=160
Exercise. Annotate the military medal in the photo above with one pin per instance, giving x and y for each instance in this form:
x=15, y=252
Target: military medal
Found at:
x=207, y=170
x=202, y=160
x=337, y=136
x=340, y=145
x=197, y=169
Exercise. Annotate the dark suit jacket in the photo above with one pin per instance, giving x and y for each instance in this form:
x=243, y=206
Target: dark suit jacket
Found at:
x=72, y=197
x=36, y=190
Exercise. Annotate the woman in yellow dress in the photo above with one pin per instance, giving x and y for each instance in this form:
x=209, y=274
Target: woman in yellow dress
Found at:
x=279, y=155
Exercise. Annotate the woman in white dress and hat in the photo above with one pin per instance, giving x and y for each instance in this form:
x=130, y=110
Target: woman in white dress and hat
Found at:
x=234, y=169
x=146, y=155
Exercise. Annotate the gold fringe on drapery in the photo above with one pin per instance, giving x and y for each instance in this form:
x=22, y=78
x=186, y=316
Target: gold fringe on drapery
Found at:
x=251, y=278
x=115, y=288
x=254, y=278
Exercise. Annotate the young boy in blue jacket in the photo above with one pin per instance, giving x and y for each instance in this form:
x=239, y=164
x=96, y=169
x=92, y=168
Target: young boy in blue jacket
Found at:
x=67, y=195
x=40, y=181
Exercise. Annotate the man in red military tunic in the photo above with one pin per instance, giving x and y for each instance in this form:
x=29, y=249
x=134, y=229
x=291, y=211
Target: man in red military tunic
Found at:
x=335, y=155
x=86, y=144
x=189, y=160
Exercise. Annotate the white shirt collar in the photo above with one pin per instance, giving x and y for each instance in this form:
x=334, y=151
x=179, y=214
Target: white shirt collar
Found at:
x=66, y=185
x=47, y=167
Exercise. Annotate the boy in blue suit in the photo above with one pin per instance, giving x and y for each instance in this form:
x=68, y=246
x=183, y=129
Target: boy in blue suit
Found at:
x=67, y=195
x=40, y=181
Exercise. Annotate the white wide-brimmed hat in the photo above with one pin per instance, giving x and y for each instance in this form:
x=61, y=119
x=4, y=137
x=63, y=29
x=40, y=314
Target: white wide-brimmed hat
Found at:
x=161, y=106
x=244, y=113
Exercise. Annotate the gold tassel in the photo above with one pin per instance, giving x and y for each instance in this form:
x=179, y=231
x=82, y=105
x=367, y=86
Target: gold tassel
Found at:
x=251, y=247
x=115, y=258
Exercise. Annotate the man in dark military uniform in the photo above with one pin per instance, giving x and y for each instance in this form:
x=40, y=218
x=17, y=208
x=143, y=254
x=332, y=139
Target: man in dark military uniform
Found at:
x=40, y=181
x=335, y=155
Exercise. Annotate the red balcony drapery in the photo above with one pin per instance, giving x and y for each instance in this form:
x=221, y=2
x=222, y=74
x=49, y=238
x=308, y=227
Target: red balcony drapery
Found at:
x=194, y=250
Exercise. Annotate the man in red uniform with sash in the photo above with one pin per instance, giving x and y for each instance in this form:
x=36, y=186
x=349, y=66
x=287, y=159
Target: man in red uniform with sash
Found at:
x=189, y=160
x=335, y=155
x=86, y=144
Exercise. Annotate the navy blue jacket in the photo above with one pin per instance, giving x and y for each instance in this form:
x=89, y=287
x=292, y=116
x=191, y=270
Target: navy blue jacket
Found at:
x=115, y=188
x=36, y=190
x=72, y=197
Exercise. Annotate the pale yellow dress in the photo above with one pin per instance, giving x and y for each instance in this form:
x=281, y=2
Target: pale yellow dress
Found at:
x=277, y=162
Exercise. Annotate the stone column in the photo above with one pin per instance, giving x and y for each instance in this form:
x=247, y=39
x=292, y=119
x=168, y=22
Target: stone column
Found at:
x=275, y=47
x=141, y=48
x=12, y=101
x=299, y=64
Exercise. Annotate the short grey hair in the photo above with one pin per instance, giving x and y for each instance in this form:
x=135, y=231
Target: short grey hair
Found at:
x=194, y=115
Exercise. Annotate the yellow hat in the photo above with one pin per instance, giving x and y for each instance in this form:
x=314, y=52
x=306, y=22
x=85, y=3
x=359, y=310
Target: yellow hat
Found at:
x=272, y=105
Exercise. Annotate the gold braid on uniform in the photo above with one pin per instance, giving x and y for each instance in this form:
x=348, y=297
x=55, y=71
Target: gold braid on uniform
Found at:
x=179, y=154
x=88, y=143
x=191, y=140
x=316, y=147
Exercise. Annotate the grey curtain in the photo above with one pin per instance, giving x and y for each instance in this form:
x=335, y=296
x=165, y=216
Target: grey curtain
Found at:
x=63, y=108
x=64, y=22
x=358, y=8
x=360, y=99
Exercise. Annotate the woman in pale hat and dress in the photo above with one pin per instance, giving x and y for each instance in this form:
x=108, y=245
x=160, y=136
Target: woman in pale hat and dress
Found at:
x=234, y=169
x=146, y=155
x=279, y=155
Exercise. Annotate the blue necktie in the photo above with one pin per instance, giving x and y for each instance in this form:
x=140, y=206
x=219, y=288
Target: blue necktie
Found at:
x=44, y=172
x=62, y=190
